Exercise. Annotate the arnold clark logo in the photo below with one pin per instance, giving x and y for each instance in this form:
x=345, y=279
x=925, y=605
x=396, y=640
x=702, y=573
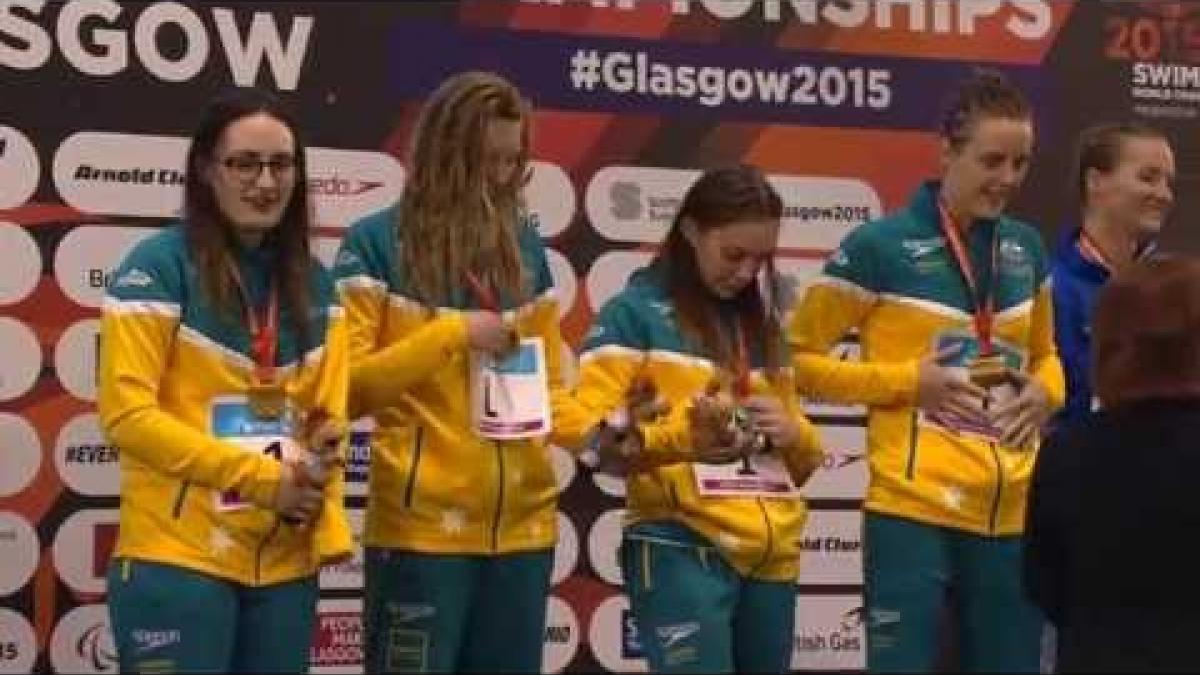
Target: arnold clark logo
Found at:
x=143, y=175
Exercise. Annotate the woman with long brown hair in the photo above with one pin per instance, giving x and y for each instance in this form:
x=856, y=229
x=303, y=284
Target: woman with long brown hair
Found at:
x=715, y=512
x=456, y=353
x=223, y=378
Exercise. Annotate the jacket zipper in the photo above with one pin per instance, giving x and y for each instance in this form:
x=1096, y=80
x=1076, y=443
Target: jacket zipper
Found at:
x=910, y=468
x=499, y=498
x=418, y=441
x=770, y=536
x=259, y=550
x=177, y=510
x=999, y=488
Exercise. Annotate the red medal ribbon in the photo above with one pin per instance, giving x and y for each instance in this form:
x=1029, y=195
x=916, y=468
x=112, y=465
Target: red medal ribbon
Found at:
x=983, y=302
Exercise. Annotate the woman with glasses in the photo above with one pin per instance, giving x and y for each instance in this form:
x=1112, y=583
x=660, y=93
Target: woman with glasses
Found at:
x=456, y=353
x=223, y=380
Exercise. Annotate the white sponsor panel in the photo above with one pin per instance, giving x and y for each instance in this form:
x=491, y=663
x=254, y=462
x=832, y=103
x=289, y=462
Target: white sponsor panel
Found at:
x=604, y=543
x=18, y=643
x=82, y=546
x=22, y=360
x=566, y=284
x=82, y=642
x=22, y=451
x=635, y=203
x=87, y=256
x=564, y=466
x=819, y=211
x=831, y=548
x=562, y=636
x=22, y=266
x=830, y=634
x=338, y=642
x=76, y=357
x=613, y=637
x=613, y=486
x=844, y=473
x=609, y=273
x=349, y=184
x=143, y=175
x=566, y=550
x=19, y=549
x=121, y=174
x=348, y=575
x=85, y=460
x=325, y=249
x=550, y=197
x=20, y=169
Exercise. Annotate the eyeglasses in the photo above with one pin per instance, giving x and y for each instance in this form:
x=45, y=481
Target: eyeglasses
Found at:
x=247, y=168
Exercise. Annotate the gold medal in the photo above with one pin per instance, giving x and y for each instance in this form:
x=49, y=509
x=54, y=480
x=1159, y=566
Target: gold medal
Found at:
x=267, y=401
x=988, y=371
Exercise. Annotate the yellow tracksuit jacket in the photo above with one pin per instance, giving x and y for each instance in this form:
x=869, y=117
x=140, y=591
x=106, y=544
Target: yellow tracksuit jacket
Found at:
x=897, y=282
x=166, y=358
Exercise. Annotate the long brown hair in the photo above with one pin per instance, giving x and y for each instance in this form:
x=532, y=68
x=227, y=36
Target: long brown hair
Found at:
x=210, y=234
x=451, y=220
x=720, y=197
x=1146, y=328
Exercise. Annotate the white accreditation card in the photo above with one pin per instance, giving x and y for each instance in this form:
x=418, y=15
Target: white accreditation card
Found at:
x=231, y=419
x=762, y=475
x=510, y=398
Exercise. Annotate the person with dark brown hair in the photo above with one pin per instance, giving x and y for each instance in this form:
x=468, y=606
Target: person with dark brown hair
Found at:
x=951, y=300
x=1113, y=504
x=711, y=544
x=223, y=379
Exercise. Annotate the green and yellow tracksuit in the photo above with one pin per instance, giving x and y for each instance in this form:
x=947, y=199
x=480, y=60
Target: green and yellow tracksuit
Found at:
x=441, y=497
x=711, y=578
x=169, y=361
x=897, y=282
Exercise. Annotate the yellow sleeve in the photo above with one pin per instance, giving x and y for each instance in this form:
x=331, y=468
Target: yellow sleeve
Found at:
x=1045, y=366
x=379, y=373
x=136, y=338
x=826, y=312
x=327, y=390
x=573, y=418
x=805, y=455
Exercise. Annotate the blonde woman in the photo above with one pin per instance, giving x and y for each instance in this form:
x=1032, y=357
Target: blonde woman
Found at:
x=439, y=289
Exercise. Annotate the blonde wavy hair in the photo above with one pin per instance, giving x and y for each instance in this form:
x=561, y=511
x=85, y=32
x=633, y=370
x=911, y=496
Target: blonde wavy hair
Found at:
x=454, y=221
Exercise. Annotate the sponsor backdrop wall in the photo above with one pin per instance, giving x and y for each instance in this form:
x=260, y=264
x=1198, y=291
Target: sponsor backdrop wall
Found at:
x=833, y=98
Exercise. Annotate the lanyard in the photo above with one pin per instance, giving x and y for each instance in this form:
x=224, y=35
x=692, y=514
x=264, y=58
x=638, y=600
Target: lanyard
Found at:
x=263, y=323
x=483, y=294
x=983, y=301
x=1091, y=251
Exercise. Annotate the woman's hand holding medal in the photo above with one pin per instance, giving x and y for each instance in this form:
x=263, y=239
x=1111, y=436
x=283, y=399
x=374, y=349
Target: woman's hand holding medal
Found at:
x=487, y=331
x=302, y=485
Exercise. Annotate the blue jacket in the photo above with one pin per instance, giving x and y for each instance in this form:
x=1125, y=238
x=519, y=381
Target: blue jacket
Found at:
x=1077, y=281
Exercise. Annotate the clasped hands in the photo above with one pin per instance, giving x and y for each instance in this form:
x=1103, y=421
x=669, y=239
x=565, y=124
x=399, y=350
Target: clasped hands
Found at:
x=947, y=391
x=301, y=494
